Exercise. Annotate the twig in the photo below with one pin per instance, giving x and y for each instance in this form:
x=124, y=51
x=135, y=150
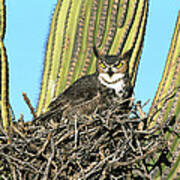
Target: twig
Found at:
x=153, y=149
x=28, y=102
x=98, y=165
x=75, y=133
x=49, y=161
x=142, y=115
x=139, y=108
x=44, y=145
x=18, y=132
x=19, y=161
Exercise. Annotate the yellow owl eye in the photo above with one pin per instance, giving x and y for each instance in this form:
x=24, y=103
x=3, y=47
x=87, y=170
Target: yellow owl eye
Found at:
x=102, y=65
x=119, y=65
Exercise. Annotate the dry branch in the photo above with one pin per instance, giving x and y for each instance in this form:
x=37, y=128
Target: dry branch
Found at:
x=101, y=146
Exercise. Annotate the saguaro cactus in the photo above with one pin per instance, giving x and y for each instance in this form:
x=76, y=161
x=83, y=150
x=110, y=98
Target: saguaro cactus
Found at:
x=113, y=26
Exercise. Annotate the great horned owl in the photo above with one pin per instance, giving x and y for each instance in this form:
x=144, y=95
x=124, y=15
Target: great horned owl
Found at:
x=109, y=82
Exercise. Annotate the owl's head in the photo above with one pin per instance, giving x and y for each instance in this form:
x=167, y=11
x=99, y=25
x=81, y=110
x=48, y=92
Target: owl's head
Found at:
x=111, y=67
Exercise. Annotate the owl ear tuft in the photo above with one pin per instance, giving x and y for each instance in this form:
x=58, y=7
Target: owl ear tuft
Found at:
x=127, y=54
x=96, y=52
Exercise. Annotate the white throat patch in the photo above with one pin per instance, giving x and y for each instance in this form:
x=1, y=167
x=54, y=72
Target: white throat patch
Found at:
x=115, y=82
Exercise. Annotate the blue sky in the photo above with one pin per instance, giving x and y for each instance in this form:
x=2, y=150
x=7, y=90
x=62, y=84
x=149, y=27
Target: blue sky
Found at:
x=28, y=24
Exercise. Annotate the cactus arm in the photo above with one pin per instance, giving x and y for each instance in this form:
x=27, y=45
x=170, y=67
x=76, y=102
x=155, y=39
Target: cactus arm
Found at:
x=170, y=81
x=48, y=59
x=5, y=114
x=4, y=87
x=2, y=19
x=174, y=172
x=166, y=105
x=137, y=41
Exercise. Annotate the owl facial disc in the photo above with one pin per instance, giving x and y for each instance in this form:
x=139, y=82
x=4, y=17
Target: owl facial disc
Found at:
x=113, y=70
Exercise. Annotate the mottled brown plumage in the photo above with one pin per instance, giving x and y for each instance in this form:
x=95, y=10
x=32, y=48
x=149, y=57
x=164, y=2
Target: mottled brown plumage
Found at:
x=81, y=98
x=99, y=90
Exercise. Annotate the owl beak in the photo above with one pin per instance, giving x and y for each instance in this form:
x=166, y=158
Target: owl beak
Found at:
x=110, y=72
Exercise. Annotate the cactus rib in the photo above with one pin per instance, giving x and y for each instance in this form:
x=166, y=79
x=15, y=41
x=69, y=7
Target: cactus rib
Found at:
x=77, y=44
x=112, y=28
x=70, y=38
x=65, y=41
x=122, y=33
x=101, y=22
x=48, y=59
x=137, y=42
x=90, y=40
x=122, y=18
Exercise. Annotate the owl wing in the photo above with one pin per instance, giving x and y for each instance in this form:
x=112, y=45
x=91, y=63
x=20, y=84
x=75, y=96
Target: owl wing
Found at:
x=82, y=90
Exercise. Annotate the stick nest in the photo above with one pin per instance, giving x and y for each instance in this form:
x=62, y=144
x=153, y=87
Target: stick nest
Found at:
x=101, y=146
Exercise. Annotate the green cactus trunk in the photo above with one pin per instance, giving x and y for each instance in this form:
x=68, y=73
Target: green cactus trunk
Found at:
x=166, y=105
x=112, y=26
x=5, y=114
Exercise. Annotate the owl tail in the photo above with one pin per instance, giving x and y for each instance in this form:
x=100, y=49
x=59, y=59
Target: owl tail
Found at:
x=52, y=114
